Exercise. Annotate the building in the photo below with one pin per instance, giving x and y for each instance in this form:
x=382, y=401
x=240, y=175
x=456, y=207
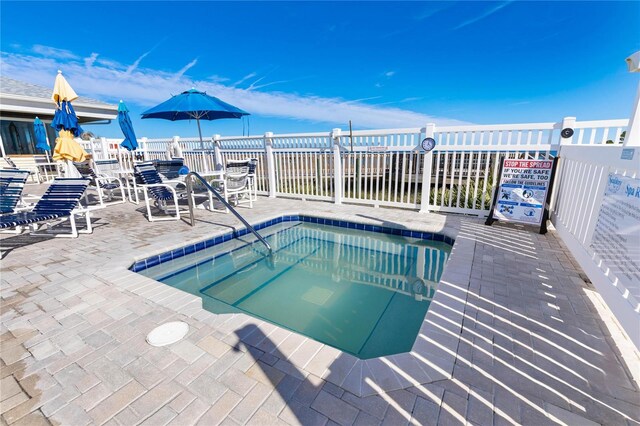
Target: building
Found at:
x=21, y=103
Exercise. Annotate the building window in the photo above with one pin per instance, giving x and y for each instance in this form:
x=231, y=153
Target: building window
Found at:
x=18, y=137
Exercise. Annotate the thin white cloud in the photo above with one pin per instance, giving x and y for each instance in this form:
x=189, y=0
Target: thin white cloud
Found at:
x=88, y=62
x=428, y=13
x=483, y=15
x=354, y=101
x=135, y=64
x=245, y=78
x=107, y=63
x=260, y=86
x=389, y=74
x=253, y=85
x=147, y=87
x=52, y=52
x=184, y=69
x=217, y=78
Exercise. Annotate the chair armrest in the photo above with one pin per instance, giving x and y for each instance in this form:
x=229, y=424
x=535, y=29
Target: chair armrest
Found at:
x=107, y=179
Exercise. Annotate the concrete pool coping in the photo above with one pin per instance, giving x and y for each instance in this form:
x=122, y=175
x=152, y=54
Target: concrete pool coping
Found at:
x=432, y=357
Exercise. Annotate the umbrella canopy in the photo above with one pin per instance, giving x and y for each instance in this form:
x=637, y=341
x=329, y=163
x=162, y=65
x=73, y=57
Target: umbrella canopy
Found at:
x=66, y=122
x=65, y=117
x=68, y=149
x=130, y=142
x=194, y=104
x=62, y=91
x=41, y=135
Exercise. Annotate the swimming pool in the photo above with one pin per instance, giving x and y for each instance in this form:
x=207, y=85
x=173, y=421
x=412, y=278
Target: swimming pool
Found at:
x=360, y=288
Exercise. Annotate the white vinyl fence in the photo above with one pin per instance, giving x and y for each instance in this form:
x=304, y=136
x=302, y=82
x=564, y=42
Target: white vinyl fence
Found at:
x=380, y=167
x=582, y=178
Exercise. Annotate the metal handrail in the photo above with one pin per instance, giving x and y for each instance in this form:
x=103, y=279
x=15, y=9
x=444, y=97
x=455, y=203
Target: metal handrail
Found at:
x=223, y=201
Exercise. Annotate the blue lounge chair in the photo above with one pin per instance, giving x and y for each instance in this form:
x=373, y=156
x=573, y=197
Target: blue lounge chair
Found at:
x=105, y=186
x=163, y=192
x=11, y=186
x=60, y=201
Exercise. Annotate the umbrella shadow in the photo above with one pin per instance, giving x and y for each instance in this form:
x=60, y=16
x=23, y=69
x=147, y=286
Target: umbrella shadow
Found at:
x=309, y=399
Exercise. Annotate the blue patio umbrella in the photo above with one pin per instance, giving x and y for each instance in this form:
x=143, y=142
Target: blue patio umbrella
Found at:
x=65, y=118
x=194, y=104
x=130, y=142
x=41, y=135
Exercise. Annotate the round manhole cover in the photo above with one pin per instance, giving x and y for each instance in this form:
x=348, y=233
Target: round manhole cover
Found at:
x=168, y=333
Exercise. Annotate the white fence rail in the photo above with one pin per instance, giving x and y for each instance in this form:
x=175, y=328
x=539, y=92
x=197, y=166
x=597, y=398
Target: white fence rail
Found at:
x=380, y=167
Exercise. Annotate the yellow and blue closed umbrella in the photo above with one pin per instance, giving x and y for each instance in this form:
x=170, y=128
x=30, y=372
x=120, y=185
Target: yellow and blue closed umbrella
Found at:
x=65, y=121
x=130, y=142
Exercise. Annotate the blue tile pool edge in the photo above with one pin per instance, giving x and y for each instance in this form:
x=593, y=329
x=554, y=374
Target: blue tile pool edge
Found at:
x=141, y=265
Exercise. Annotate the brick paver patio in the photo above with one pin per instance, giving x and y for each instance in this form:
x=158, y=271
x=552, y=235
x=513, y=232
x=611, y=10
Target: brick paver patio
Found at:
x=518, y=327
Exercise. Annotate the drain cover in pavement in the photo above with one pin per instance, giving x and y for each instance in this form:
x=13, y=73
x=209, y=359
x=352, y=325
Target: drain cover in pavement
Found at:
x=168, y=333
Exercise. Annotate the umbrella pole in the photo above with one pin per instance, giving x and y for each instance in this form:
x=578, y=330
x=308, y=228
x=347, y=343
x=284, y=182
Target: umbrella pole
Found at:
x=200, y=133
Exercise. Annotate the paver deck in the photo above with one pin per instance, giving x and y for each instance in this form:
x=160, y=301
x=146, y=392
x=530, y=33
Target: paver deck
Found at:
x=520, y=336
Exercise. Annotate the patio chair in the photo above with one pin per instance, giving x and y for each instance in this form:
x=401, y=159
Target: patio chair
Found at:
x=163, y=192
x=236, y=186
x=8, y=163
x=170, y=169
x=253, y=189
x=60, y=201
x=11, y=199
x=11, y=186
x=113, y=168
x=105, y=186
x=41, y=168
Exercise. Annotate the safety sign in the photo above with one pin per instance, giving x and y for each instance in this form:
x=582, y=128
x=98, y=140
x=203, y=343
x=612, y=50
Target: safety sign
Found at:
x=522, y=191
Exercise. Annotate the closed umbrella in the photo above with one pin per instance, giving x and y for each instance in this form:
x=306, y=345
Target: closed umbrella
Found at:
x=41, y=135
x=130, y=142
x=67, y=148
x=65, y=121
x=194, y=104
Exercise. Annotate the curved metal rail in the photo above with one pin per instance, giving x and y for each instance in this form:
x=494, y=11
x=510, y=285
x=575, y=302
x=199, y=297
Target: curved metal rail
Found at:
x=223, y=201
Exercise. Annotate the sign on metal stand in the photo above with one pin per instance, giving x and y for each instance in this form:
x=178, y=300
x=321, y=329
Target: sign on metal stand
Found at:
x=523, y=192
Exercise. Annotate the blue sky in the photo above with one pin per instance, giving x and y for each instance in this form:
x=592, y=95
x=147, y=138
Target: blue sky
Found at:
x=313, y=66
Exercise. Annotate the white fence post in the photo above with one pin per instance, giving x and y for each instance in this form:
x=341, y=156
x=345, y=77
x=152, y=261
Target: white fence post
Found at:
x=216, y=152
x=205, y=156
x=567, y=123
x=271, y=164
x=427, y=166
x=632, y=137
x=104, y=146
x=145, y=149
x=337, y=166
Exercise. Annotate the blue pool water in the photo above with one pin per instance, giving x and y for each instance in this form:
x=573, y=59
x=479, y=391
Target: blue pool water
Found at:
x=362, y=292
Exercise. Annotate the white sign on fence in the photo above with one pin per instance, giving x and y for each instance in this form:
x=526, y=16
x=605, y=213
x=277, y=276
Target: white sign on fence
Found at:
x=616, y=239
x=522, y=191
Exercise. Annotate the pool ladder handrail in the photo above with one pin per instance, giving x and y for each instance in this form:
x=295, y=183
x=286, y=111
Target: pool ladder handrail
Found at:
x=189, y=183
